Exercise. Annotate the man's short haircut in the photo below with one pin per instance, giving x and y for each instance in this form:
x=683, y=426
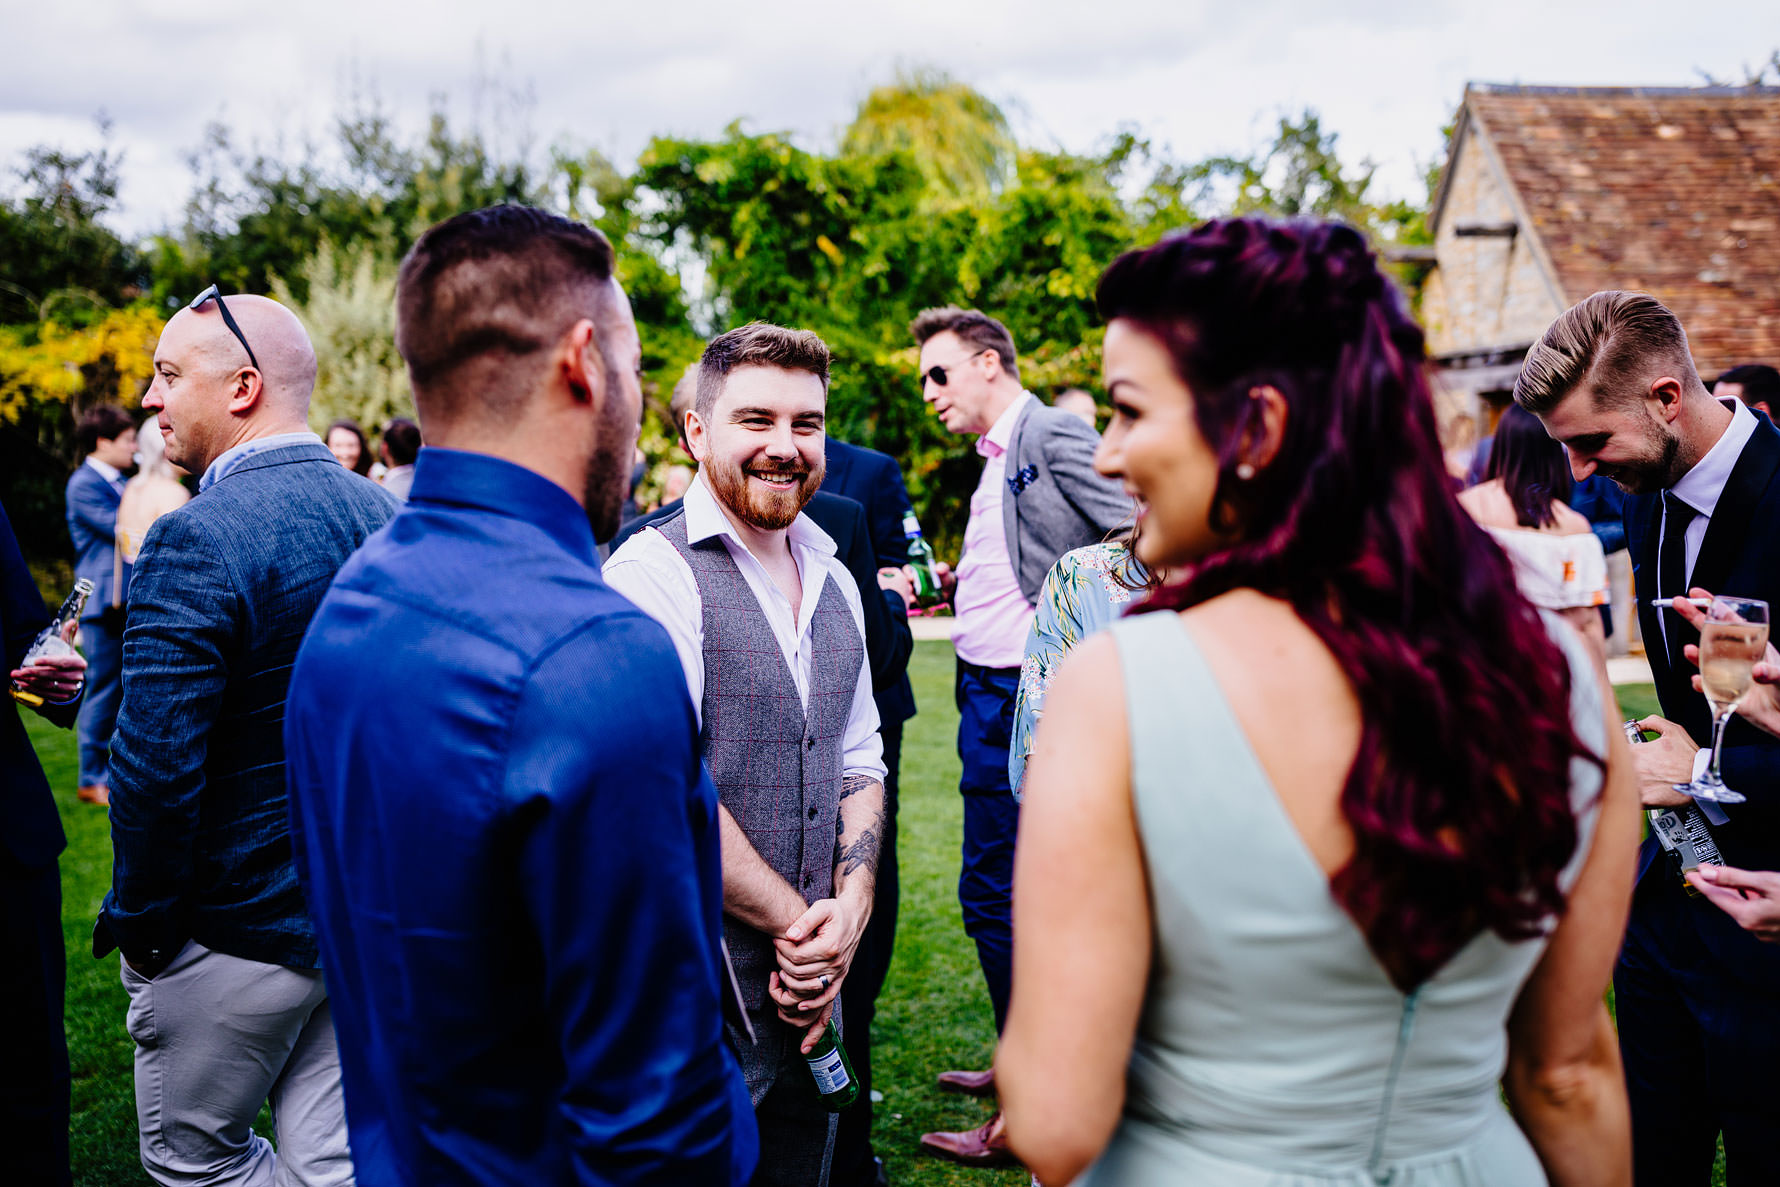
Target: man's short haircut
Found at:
x=401, y=437
x=979, y=329
x=1608, y=344
x=482, y=294
x=757, y=344
x=683, y=400
x=105, y=422
x=1761, y=383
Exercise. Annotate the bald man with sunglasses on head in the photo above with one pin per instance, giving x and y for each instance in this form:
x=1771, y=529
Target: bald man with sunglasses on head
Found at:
x=228, y=1007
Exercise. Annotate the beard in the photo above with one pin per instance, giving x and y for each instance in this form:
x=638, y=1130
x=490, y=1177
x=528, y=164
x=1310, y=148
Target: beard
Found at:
x=607, y=484
x=1658, y=467
x=768, y=510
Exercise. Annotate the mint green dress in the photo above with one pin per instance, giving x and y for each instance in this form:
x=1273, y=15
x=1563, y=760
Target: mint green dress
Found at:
x=1273, y=1051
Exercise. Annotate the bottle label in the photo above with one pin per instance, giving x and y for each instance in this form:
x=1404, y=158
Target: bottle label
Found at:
x=830, y=1071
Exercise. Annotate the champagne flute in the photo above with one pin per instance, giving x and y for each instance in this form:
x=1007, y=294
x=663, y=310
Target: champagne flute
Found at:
x=1733, y=639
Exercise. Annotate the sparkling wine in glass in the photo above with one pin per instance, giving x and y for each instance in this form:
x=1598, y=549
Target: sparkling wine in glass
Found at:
x=1732, y=639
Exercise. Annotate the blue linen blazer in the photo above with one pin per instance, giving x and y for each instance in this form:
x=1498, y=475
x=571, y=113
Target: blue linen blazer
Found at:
x=92, y=525
x=221, y=594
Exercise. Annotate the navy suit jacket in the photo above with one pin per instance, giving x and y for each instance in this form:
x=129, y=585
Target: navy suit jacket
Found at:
x=874, y=481
x=1740, y=555
x=888, y=641
x=30, y=829
x=92, y=525
x=223, y=590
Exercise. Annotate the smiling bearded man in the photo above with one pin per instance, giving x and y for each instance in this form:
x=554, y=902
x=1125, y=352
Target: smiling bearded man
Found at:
x=770, y=631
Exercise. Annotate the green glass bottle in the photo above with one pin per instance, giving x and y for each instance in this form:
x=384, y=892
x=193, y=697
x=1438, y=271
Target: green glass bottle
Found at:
x=828, y=1061
x=928, y=591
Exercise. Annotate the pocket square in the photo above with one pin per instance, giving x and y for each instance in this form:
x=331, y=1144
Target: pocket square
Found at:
x=1022, y=479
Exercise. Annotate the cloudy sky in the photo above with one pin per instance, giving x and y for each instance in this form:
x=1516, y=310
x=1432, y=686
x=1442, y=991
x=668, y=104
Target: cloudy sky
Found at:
x=1196, y=76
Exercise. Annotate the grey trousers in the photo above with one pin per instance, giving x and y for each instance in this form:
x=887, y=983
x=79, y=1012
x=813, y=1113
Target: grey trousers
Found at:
x=216, y=1037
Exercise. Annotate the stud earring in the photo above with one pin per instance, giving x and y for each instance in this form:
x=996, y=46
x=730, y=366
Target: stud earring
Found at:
x=1245, y=471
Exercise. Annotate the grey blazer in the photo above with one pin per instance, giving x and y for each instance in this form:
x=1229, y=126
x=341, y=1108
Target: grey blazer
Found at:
x=1054, y=501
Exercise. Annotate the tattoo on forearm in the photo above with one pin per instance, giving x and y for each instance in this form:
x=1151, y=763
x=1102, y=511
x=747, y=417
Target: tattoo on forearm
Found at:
x=863, y=853
x=852, y=785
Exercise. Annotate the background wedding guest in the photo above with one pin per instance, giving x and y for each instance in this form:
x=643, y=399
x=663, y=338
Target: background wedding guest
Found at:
x=1559, y=564
x=228, y=1007
x=1349, y=815
x=1037, y=498
x=347, y=442
x=1756, y=384
x=1078, y=403
x=34, y=973
x=545, y=869
x=155, y=489
x=107, y=435
x=1085, y=591
x=874, y=480
x=770, y=630
x=1613, y=380
x=400, y=445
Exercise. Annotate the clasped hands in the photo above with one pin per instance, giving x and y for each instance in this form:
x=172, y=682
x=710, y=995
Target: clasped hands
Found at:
x=56, y=678
x=815, y=952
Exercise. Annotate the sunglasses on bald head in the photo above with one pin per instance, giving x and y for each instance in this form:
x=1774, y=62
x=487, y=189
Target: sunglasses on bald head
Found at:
x=937, y=373
x=211, y=294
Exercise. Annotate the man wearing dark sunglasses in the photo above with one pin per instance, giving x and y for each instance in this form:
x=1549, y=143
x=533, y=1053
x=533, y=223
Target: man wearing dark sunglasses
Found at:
x=1038, y=498
x=219, y=955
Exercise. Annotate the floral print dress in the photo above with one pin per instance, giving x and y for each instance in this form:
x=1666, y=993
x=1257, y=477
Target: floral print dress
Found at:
x=1085, y=590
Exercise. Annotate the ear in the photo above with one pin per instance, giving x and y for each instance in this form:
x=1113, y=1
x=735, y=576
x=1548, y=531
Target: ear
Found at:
x=246, y=389
x=698, y=437
x=580, y=364
x=1266, y=429
x=1666, y=391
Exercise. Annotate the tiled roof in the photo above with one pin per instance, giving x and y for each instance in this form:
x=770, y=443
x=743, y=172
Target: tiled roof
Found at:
x=1675, y=191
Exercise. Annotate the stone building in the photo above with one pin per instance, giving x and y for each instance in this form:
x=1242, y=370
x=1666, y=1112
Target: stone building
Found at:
x=1552, y=193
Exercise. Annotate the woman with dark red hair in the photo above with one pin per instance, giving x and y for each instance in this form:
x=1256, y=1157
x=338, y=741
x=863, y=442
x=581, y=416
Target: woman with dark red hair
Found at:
x=1355, y=845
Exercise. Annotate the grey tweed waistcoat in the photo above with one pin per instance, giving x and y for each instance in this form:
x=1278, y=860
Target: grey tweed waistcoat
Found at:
x=777, y=767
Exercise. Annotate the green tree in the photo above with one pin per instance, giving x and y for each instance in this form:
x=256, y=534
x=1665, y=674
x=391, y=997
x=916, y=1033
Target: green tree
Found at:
x=57, y=257
x=349, y=309
x=957, y=137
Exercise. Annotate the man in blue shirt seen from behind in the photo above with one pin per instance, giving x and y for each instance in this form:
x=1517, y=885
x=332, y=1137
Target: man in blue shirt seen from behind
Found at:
x=497, y=806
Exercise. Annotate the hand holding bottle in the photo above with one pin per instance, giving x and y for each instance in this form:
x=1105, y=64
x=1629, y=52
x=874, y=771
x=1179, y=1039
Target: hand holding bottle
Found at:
x=52, y=678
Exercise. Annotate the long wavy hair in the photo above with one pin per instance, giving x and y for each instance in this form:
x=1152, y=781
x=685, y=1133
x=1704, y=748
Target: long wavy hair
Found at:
x=1458, y=797
x=1533, y=469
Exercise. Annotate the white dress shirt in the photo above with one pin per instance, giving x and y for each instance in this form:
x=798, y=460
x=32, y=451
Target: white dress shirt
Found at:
x=1701, y=488
x=650, y=571
x=108, y=472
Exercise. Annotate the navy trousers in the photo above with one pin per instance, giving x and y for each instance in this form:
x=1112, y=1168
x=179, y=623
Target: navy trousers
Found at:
x=104, y=649
x=1701, y=1045
x=991, y=823
x=33, y=976
x=865, y=980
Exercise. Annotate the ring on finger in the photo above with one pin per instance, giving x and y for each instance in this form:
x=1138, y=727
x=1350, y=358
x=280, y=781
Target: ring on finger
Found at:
x=824, y=982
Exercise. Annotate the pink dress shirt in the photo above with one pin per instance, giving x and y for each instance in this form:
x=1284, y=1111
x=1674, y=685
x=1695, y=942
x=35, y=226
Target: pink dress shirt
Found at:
x=993, y=615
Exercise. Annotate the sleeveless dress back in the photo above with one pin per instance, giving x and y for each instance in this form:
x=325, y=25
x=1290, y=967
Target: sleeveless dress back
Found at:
x=1273, y=1050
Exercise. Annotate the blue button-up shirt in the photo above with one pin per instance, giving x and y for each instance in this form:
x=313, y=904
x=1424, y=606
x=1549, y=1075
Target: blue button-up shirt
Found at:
x=511, y=854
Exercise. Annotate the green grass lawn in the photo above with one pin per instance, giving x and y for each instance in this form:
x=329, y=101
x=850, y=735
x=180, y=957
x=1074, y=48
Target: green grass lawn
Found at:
x=934, y=1014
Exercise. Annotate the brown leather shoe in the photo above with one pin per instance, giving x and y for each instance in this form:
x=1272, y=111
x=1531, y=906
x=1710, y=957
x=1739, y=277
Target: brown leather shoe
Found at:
x=986, y=1146
x=94, y=793
x=969, y=1083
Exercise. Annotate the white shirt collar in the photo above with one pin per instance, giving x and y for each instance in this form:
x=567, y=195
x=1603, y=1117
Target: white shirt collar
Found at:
x=107, y=471
x=1002, y=431
x=705, y=518
x=1701, y=486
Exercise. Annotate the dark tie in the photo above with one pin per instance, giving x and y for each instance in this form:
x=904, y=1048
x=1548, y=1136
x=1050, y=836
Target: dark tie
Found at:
x=1671, y=568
